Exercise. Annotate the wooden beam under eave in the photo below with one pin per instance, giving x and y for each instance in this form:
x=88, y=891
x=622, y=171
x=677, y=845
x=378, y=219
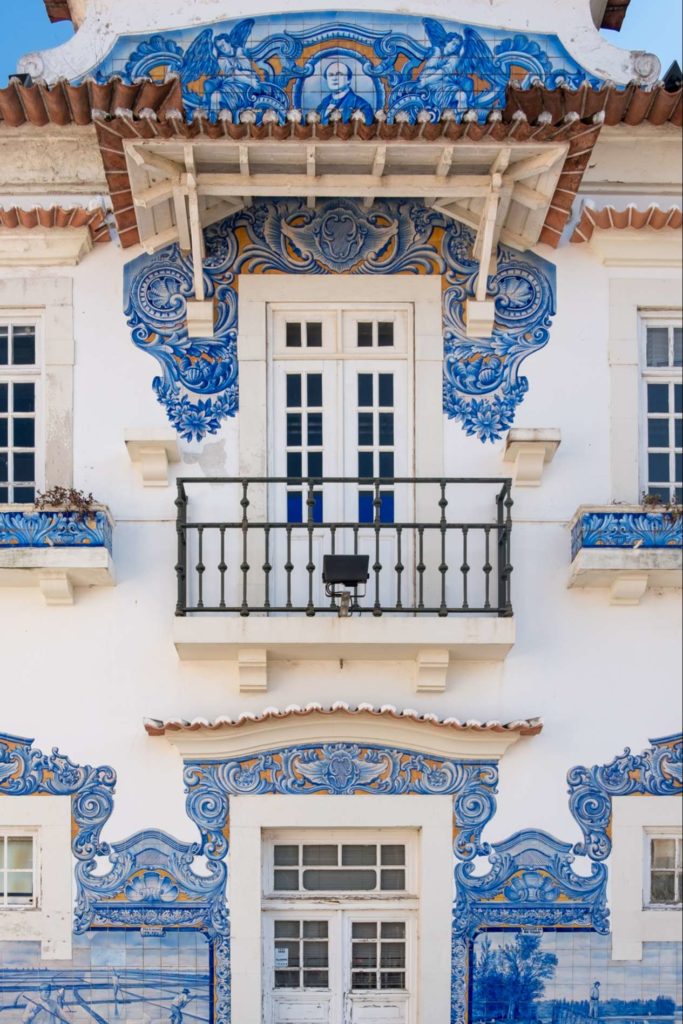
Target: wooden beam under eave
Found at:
x=159, y=240
x=345, y=185
x=532, y=165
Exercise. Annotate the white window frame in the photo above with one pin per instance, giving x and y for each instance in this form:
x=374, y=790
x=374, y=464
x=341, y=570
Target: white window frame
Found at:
x=635, y=819
x=33, y=835
x=48, y=301
x=648, y=835
x=345, y=836
x=655, y=375
x=28, y=374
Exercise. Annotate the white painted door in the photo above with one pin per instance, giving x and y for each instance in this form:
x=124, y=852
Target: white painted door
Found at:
x=339, y=967
x=341, y=386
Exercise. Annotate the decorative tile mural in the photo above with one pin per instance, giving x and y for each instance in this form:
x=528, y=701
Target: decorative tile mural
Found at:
x=568, y=977
x=617, y=529
x=482, y=386
x=114, y=975
x=28, y=528
x=344, y=64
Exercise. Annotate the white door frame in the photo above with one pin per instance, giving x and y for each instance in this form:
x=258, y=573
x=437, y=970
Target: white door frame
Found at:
x=431, y=816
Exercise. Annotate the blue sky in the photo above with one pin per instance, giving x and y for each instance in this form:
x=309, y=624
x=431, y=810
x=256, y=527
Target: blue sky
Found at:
x=653, y=25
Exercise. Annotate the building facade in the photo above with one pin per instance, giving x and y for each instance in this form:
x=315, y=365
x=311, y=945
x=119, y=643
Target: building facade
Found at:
x=340, y=640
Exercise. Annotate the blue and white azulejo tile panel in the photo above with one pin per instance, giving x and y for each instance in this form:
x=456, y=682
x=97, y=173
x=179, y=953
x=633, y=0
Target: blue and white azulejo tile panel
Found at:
x=482, y=384
x=646, y=529
x=352, y=62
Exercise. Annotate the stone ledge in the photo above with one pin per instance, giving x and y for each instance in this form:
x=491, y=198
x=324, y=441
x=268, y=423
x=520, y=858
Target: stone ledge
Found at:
x=430, y=643
x=628, y=573
x=530, y=449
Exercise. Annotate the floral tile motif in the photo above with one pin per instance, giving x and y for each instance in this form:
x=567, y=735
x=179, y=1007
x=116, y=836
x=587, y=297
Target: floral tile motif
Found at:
x=482, y=384
x=345, y=64
x=59, y=529
x=627, y=530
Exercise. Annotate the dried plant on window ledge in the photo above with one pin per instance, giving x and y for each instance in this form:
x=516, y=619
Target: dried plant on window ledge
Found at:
x=68, y=499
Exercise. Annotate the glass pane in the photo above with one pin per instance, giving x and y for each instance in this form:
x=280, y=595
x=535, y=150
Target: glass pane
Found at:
x=386, y=464
x=24, y=466
x=393, y=980
x=286, y=953
x=365, y=389
x=314, y=389
x=393, y=930
x=659, y=491
x=24, y=494
x=24, y=433
x=365, y=431
x=3, y=346
x=321, y=855
x=20, y=884
x=393, y=954
x=365, y=463
x=658, y=346
x=293, y=428
x=678, y=346
x=286, y=929
x=4, y=388
x=315, y=929
x=663, y=887
x=4, y=495
x=364, y=930
x=678, y=397
x=658, y=433
x=658, y=468
x=293, y=336
x=286, y=881
x=315, y=463
x=314, y=335
x=2, y=853
x=24, y=397
x=385, y=334
x=4, y=464
x=315, y=979
x=359, y=856
x=363, y=980
x=386, y=428
x=663, y=853
x=286, y=979
x=19, y=852
x=294, y=390
x=346, y=881
x=392, y=855
x=364, y=954
x=365, y=507
x=285, y=857
x=315, y=954
x=364, y=335
x=386, y=509
x=294, y=464
x=678, y=466
x=4, y=432
x=678, y=433
x=393, y=879
x=23, y=346
x=386, y=389
x=315, y=428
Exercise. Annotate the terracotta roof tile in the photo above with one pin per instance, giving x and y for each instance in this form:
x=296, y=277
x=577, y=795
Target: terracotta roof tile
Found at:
x=614, y=15
x=57, y=217
x=61, y=104
x=157, y=727
x=58, y=10
x=608, y=218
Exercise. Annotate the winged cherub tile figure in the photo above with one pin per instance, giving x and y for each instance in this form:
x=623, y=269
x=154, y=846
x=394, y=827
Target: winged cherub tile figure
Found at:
x=230, y=79
x=454, y=60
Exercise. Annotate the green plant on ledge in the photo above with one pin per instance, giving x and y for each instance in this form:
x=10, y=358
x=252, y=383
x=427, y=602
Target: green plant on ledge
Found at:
x=66, y=498
x=655, y=503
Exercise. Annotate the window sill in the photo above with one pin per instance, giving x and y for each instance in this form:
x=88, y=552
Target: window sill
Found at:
x=55, y=550
x=627, y=549
x=430, y=643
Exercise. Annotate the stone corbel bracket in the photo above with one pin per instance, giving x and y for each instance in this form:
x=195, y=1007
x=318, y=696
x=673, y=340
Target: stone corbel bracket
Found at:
x=152, y=451
x=530, y=449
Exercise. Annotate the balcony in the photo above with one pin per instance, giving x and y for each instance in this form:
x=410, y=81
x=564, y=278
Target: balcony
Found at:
x=57, y=550
x=250, y=558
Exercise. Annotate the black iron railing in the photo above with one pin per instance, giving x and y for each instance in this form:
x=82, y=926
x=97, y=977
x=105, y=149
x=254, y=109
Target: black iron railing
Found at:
x=436, y=546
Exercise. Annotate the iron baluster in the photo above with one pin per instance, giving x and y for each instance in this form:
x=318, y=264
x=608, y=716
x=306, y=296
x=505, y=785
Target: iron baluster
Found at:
x=267, y=568
x=289, y=566
x=399, y=567
x=333, y=551
x=244, y=502
x=222, y=567
x=200, y=567
x=181, y=561
x=377, y=566
x=420, y=567
x=507, y=567
x=443, y=566
x=464, y=568
x=310, y=565
x=487, y=567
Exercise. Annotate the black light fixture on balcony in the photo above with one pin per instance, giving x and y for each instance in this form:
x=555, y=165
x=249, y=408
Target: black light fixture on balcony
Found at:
x=342, y=574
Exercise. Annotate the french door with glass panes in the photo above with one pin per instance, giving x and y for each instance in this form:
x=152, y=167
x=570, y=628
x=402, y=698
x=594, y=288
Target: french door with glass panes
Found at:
x=339, y=928
x=342, y=398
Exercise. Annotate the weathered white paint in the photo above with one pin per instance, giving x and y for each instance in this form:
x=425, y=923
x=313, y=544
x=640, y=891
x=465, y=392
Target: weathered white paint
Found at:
x=572, y=21
x=632, y=922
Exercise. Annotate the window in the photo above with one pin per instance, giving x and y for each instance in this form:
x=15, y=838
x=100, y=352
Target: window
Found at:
x=665, y=876
x=19, y=388
x=339, y=867
x=17, y=871
x=663, y=406
x=301, y=954
x=378, y=955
